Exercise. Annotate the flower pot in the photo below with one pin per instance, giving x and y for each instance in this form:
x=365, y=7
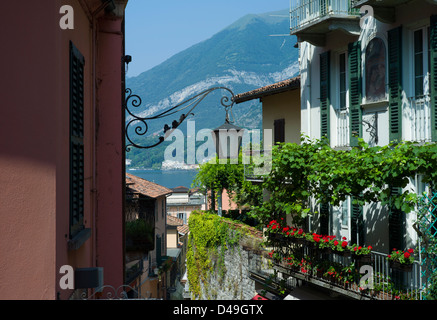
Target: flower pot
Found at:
x=301, y=241
x=363, y=259
x=404, y=267
x=345, y=253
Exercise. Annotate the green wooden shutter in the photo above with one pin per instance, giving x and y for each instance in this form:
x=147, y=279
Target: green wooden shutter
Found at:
x=357, y=224
x=77, y=158
x=396, y=225
x=324, y=94
x=158, y=247
x=355, y=93
x=395, y=83
x=324, y=218
x=433, y=80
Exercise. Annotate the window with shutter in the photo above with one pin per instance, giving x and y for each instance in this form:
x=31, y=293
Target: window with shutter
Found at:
x=433, y=75
x=420, y=101
x=77, y=63
x=342, y=110
x=357, y=224
x=324, y=95
x=279, y=129
x=324, y=218
x=396, y=225
x=355, y=93
x=395, y=83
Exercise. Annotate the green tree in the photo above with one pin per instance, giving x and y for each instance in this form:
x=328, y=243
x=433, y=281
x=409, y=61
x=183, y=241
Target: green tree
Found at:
x=217, y=178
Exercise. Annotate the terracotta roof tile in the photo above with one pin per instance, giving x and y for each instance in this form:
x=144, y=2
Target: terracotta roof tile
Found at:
x=184, y=229
x=278, y=87
x=145, y=187
x=179, y=223
x=173, y=221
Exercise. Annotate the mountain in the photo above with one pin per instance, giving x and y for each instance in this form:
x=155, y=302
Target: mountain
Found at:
x=250, y=53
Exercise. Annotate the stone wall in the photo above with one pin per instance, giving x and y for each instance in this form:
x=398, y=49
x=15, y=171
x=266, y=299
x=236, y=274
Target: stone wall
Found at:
x=232, y=282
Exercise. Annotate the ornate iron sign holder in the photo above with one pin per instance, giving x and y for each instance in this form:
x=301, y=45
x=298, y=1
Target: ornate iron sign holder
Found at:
x=139, y=123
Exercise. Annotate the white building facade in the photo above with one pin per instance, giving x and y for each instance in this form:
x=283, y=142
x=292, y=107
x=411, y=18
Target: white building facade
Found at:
x=370, y=75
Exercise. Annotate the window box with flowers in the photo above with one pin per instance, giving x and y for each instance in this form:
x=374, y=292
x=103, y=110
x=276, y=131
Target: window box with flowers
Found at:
x=341, y=248
x=361, y=254
x=401, y=260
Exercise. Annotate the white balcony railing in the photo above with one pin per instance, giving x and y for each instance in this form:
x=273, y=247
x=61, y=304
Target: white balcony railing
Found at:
x=342, y=128
x=421, y=118
x=305, y=12
x=384, y=282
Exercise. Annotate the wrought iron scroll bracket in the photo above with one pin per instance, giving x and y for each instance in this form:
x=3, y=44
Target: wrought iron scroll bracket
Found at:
x=139, y=123
x=373, y=128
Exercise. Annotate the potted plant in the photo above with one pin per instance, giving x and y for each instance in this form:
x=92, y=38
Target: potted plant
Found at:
x=326, y=244
x=139, y=236
x=341, y=247
x=300, y=236
x=401, y=260
x=362, y=254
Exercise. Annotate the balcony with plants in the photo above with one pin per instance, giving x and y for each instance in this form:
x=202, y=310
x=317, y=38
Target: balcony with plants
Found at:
x=311, y=20
x=306, y=175
x=343, y=267
x=382, y=10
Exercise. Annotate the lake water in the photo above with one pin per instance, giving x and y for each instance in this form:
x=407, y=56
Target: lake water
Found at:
x=167, y=178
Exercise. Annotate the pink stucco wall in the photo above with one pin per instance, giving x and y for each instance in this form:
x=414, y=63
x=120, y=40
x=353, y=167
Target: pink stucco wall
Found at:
x=34, y=148
x=110, y=180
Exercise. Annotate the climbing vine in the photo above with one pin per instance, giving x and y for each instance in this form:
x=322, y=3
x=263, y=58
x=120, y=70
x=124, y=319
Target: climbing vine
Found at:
x=368, y=174
x=209, y=239
x=218, y=177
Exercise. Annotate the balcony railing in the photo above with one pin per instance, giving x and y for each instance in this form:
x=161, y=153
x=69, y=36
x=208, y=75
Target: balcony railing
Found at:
x=342, y=128
x=306, y=12
x=134, y=271
x=340, y=272
x=421, y=118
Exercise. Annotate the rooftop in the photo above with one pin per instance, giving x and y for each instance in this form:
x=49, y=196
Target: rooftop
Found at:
x=178, y=223
x=275, y=88
x=145, y=187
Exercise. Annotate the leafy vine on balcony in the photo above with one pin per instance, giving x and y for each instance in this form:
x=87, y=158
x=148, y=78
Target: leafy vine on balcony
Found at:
x=367, y=174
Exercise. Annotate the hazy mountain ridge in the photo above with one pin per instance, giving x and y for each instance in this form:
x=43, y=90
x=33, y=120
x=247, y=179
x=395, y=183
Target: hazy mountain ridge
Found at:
x=242, y=57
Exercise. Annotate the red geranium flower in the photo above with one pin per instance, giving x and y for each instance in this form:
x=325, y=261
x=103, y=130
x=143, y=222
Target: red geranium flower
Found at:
x=344, y=244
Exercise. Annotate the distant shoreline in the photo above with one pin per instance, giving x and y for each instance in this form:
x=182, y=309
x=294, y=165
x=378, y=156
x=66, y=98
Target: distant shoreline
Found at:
x=172, y=169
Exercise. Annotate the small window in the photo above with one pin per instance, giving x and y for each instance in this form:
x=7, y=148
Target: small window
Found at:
x=418, y=63
x=279, y=130
x=375, y=71
x=343, y=86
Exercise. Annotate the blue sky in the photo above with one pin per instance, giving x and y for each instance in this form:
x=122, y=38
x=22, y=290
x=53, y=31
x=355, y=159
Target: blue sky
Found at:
x=158, y=29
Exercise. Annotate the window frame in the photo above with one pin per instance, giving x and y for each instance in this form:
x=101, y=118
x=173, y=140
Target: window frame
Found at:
x=364, y=63
x=426, y=61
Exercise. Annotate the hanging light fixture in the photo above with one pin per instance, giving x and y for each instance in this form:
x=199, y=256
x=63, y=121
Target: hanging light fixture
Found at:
x=228, y=140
